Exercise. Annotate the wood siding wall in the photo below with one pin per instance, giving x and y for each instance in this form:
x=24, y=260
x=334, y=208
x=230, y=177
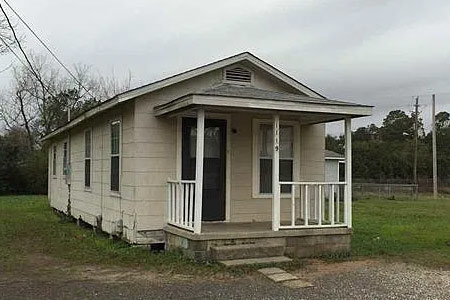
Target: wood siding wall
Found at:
x=148, y=159
x=98, y=200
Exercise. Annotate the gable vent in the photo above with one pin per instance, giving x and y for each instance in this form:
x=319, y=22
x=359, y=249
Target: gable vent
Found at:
x=238, y=74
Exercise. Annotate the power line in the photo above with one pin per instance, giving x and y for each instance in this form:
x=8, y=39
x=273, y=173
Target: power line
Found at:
x=20, y=47
x=48, y=49
x=15, y=54
x=6, y=68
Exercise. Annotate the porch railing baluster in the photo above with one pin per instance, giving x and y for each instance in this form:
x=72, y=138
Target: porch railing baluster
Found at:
x=315, y=212
x=181, y=199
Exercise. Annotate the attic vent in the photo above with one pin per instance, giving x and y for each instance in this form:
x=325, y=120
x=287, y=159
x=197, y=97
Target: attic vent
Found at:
x=238, y=74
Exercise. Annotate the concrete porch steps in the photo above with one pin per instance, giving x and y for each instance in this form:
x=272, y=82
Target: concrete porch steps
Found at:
x=245, y=251
x=254, y=261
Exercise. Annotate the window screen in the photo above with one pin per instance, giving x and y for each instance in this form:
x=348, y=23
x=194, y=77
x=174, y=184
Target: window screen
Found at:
x=87, y=157
x=54, y=161
x=65, y=159
x=115, y=155
x=266, y=154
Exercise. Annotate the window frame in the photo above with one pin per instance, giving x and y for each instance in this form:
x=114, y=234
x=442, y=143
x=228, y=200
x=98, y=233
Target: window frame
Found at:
x=65, y=158
x=88, y=187
x=256, y=158
x=111, y=155
x=54, y=161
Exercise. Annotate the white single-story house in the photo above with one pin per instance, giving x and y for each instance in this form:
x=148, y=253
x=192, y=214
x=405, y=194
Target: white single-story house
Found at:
x=334, y=163
x=224, y=161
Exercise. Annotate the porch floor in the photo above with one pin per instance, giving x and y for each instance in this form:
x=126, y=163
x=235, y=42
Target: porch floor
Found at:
x=242, y=230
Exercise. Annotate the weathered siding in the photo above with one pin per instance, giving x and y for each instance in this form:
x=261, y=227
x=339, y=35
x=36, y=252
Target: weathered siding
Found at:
x=156, y=145
x=156, y=152
x=58, y=190
x=98, y=200
x=149, y=158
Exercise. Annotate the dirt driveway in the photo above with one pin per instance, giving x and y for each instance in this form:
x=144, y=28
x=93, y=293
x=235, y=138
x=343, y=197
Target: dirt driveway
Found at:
x=346, y=280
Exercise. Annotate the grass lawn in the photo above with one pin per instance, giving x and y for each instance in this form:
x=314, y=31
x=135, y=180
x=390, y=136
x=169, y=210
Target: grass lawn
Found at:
x=411, y=230
x=29, y=227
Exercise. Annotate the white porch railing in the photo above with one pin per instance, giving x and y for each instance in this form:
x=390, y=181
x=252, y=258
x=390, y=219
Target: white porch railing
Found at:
x=315, y=205
x=180, y=204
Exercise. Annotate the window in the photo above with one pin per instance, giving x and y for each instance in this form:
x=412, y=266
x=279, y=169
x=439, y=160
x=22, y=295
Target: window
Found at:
x=115, y=155
x=263, y=152
x=65, y=170
x=54, y=161
x=87, y=157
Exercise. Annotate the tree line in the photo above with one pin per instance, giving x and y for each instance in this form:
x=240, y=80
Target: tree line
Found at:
x=385, y=154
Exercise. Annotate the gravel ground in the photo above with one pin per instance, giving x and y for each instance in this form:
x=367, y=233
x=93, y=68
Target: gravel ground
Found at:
x=350, y=280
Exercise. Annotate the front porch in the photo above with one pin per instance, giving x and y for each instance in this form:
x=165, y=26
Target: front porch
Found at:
x=310, y=205
x=274, y=174
x=295, y=203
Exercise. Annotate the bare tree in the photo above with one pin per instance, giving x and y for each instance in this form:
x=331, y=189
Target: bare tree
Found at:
x=6, y=37
x=41, y=97
x=18, y=107
x=108, y=87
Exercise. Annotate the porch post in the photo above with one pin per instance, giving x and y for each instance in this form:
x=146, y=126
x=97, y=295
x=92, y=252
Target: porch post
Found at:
x=199, y=171
x=348, y=169
x=276, y=173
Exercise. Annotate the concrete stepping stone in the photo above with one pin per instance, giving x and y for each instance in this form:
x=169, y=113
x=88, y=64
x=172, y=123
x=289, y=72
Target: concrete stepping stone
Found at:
x=298, y=283
x=280, y=277
x=270, y=271
x=277, y=274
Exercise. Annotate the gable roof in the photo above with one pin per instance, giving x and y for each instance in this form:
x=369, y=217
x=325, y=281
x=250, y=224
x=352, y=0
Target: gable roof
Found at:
x=244, y=56
x=156, y=85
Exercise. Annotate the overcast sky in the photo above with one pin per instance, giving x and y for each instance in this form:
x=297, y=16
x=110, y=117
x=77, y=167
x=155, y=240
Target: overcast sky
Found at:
x=374, y=52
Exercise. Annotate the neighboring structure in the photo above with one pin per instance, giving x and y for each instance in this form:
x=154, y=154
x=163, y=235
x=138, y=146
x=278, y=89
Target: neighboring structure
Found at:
x=190, y=160
x=334, y=164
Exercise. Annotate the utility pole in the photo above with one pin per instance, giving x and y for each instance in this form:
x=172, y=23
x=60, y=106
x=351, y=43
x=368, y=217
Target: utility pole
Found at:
x=433, y=134
x=416, y=137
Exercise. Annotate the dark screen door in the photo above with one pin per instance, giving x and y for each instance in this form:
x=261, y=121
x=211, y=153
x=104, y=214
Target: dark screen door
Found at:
x=213, y=207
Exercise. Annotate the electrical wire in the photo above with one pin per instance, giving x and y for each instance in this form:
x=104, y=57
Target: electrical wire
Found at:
x=20, y=47
x=15, y=54
x=47, y=48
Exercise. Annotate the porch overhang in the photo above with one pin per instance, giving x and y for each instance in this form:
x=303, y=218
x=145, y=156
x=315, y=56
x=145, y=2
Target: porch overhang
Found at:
x=310, y=110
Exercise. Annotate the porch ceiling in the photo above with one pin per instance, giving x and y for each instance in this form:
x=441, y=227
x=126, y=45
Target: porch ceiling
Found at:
x=228, y=98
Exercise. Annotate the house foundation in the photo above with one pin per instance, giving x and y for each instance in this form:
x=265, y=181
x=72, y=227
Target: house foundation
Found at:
x=224, y=244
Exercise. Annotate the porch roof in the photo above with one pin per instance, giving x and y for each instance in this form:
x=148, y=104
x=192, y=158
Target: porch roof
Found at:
x=246, y=97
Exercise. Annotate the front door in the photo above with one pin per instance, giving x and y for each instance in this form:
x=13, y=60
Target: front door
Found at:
x=213, y=206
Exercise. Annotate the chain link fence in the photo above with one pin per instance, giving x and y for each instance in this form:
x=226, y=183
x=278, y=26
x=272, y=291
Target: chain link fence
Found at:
x=385, y=190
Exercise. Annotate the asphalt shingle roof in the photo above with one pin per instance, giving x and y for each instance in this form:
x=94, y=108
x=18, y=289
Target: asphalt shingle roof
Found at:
x=231, y=90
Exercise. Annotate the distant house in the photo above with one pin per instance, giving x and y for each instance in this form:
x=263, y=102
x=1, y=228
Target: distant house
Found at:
x=224, y=157
x=334, y=166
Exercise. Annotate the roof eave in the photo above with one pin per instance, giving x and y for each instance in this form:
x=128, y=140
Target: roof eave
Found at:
x=353, y=111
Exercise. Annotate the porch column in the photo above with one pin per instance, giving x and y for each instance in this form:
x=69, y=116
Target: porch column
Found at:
x=276, y=173
x=348, y=170
x=199, y=171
